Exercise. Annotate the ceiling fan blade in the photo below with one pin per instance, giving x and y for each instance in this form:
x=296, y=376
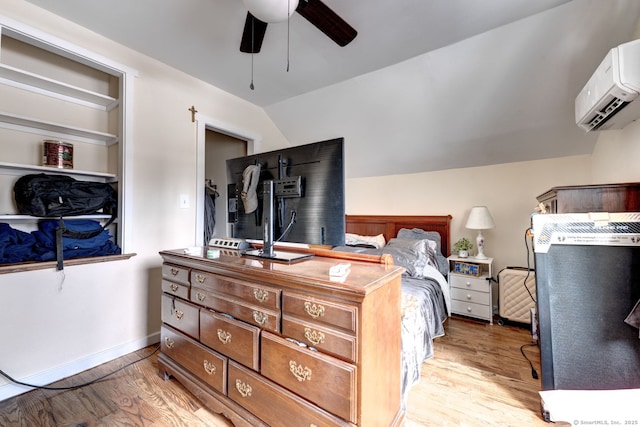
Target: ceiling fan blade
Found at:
x=253, y=34
x=327, y=21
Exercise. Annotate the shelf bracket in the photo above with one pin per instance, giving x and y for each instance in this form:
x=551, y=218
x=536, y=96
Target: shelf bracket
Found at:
x=193, y=113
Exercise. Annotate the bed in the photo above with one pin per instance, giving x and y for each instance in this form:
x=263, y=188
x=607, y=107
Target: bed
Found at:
x=416, y=243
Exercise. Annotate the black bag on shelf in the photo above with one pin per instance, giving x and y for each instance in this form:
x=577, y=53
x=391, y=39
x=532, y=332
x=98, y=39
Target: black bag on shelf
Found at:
x=44, y=195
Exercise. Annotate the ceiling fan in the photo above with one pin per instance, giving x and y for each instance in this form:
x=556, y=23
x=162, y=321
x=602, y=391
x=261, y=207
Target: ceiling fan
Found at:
x=262, y=12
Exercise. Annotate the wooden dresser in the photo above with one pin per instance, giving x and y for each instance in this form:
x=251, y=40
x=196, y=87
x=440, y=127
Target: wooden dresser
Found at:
x=592, y=198
x=267, y=343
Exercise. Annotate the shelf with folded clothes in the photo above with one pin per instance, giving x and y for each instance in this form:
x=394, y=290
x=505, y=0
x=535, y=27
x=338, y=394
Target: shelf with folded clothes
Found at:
x=31, y=218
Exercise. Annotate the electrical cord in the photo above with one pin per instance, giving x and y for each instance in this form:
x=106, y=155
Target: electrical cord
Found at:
x=286, y=230
x=534, y=373
x=41, y=387
x=527, y=233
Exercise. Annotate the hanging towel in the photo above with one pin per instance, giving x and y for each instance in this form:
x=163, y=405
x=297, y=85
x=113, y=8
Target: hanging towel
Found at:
x=248, y=195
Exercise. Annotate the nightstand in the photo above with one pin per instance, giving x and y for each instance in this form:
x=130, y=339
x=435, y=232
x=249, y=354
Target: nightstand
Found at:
x=471, y=295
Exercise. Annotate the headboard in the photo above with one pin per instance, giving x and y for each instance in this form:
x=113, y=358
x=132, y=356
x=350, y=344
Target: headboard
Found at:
x=372, y=225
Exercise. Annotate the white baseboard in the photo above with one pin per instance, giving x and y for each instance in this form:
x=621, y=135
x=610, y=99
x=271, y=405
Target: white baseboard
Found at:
x=59, y=372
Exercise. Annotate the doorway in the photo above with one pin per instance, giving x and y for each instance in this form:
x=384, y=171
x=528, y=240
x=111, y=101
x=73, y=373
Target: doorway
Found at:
x=218, y=148
x=245, y=141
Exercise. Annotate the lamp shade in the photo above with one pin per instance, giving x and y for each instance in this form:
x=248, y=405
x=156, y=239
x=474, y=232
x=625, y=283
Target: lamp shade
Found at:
x=480, y=218
x=271, y=11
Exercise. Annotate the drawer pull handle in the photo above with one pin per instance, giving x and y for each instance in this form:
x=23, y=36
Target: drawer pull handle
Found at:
x=224, y=336
x=174, y=287
x=179, y=314
x=260, y=294
x=243, y=388
x=300, y=372
x=169, y=342
x=468, y=284
x=469, y=309
x=469, y=297
x=174, y=271
x=314, y=310
x=260, y=317
x=200, y=296
x=209, y=367
x=315, y=337
x=201, y=278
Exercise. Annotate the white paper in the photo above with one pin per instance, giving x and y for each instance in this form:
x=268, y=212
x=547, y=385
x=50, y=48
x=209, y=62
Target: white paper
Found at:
x=593, y=407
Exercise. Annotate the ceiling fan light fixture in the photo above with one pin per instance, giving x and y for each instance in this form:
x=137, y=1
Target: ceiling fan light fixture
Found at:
x=271, y=11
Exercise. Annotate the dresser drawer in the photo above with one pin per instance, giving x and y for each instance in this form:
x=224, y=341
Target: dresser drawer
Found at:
x=262, y=296
x=175, y=273
x=317, y=377
x=233, y=338
x=471, y=309
x=240, y=309
x=207, y=365
x=480, y=284
x=177, y=289
x=327, y=340
x=277, y=406
x=467, y=295
x=181, y=315
x=318, y=310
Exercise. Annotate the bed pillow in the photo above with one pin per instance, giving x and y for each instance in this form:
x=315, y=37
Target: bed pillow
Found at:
x=376, y=242
x=419, y=234
x=413, y=255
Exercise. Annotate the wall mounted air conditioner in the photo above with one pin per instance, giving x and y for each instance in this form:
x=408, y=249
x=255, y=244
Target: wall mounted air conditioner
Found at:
x=609, y=99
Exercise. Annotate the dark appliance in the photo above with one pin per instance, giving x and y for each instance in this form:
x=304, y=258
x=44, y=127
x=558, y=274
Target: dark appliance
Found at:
x=588, y=282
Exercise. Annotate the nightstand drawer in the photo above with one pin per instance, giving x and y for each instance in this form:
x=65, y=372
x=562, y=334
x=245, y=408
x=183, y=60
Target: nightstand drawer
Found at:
x=471, y=309
x=479, y=284
x=467, y=295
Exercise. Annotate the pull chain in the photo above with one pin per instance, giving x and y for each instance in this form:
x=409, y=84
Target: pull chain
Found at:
x=288, y=30
x=251, y=86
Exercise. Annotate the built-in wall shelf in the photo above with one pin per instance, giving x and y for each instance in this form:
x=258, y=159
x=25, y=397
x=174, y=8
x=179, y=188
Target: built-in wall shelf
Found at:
x=55, y=130
x=26, y=80
x=20, y=169
x=31, y=266
x=53, y=89
x=30, y=218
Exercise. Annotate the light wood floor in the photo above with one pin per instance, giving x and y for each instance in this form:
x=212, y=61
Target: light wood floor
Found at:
x=478, y=377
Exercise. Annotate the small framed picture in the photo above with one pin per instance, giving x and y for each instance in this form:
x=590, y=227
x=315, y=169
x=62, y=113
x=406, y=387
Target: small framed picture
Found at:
x=467, y=268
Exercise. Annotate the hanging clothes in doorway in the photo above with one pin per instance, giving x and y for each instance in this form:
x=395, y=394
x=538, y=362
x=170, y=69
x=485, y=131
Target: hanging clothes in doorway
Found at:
x=210, y=195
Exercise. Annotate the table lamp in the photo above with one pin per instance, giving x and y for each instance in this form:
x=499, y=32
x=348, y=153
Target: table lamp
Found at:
x=480, y=219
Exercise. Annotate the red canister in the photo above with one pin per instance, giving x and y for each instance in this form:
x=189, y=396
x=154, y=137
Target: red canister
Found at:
x=57, y=154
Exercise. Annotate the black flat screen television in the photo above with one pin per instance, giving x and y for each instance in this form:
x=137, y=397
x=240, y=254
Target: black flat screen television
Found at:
x=308, y=199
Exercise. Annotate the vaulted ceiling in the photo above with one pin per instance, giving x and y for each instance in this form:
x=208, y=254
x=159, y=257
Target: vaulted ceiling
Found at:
x=431, y=84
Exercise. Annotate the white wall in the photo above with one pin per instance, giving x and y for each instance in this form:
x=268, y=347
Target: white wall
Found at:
x=508, y=190
x=615, y=157
x=55, y=324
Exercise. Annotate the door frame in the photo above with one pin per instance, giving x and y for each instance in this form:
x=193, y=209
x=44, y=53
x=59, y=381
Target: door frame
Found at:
x=204, y=123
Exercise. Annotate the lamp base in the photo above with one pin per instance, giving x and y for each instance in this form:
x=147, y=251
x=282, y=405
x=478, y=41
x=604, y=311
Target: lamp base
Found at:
x=480, y=245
